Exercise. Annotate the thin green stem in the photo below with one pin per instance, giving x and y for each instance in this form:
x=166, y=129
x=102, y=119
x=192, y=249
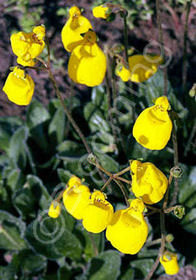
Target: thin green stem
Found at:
x=106, y=184
x=162, y=248
x=161, y=42
x=126, y=37
x=76, y=127
x=123, y=191
x=122, y=171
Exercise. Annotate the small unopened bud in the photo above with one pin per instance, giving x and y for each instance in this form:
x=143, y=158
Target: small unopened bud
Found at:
x=92, y=159
x=169, y=238
x=179, y=211
x=176, y=172
x=192, y=92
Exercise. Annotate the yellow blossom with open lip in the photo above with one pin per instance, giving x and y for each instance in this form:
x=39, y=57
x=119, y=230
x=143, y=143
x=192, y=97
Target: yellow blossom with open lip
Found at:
x=170, y=263
x=153, y=126
x=142, y=67
x=87, y=63
x=98, y=213
x=28, y=46
x=76, y=198
x=19, y=87
x=128, y=229
x=100, y=12
x=148, y=182
x=123, y=73
x=54, y=209
x=73, y=28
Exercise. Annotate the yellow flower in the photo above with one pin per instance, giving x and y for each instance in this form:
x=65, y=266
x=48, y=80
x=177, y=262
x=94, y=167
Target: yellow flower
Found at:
x=153, y=126
x=28, y=46
x=123, y=73
x=143, y=67
x=98, y=213
x=76, y=198
x=128, y=230
x=101, y=12
x=76, y=25
x=148, y=182
x=54, y=210
x=19, y=87
x=87, y=63
x=170, y=263
x=74, y=181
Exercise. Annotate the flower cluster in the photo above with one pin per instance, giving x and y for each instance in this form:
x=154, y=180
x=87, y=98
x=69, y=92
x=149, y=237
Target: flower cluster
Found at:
x=87, y=63
x=19, y=86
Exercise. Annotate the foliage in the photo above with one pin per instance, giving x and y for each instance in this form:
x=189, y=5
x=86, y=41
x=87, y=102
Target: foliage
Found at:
x=38, y=156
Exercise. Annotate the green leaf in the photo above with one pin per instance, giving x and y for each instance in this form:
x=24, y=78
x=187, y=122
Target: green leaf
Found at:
x=7, y=127
x=56, y=127
x=28, y=262
x=154, y=88
x=18, y=147
x=105, y=266
x=64, y=273
x=142, y=267
x=187, y=197
x=52, y=238
x=107, y=162
x=129, y=275
x=13, y=179
x=95, y=118
x=92, y=243
x=70, y=149
x=37, y=118
x=64, y=175
x=11, y=232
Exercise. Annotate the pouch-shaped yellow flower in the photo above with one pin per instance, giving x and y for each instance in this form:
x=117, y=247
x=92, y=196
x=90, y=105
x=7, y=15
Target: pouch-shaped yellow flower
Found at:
x=170, y=263
x=76, y=198
x=54, y=210
x=87, y=63
x=128, y=229
x=148, y=182
x=75, y=25
x=98, y=213
x=100, y=12
x=123, y=73
x=28, y=46
x=19, y=87
x=142, y=67
x=153, y=126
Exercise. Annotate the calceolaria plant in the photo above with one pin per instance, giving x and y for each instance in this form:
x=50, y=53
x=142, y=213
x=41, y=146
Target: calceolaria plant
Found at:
x=83, y=201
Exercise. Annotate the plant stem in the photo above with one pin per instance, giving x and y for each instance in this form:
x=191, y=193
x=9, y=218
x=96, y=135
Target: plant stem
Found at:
x=123, y=191
x=122, y=171
x=161, y=42
x=184, y=63
x=161, y=250
x=126, y=37
x=175, y=146
x=106, y=184
x=76, y=127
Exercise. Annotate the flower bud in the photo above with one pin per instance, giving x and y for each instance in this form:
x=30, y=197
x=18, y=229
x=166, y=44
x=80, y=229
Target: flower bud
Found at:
x=179, y=211
x=123, y=73
x=176, y=172
x=170, y=263
x=19, y=87
x=101, y=12
x=54, y=210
